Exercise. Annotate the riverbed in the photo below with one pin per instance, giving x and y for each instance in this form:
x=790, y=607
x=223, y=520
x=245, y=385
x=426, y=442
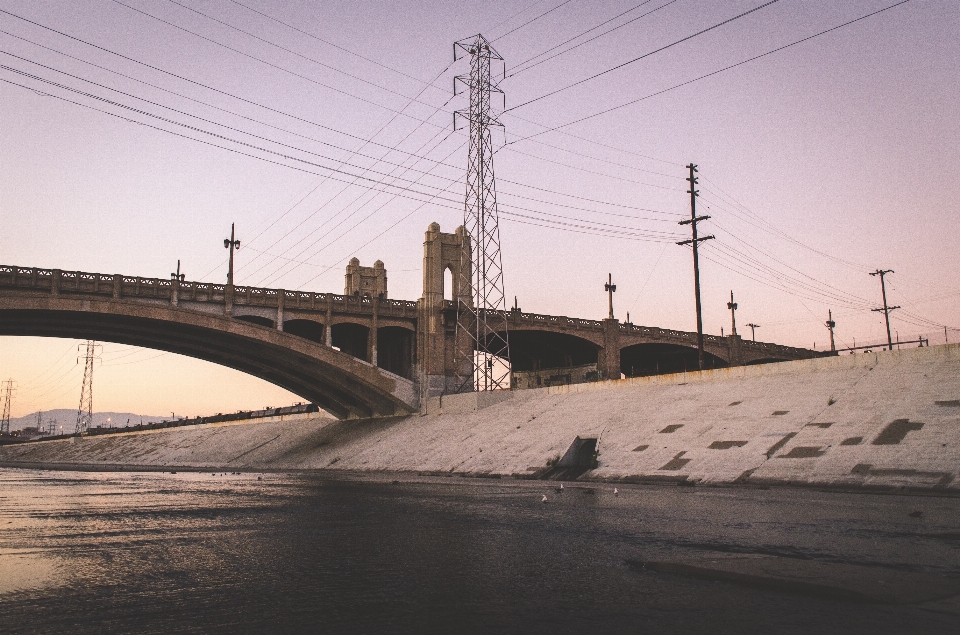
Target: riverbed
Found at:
x=223, y=552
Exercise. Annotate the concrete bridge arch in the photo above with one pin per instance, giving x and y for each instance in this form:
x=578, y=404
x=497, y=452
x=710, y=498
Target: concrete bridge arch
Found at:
x=339, y=383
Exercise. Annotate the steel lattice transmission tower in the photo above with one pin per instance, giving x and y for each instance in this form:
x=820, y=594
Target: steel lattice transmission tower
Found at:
x=7, y=401
x=85, y=410
x=482, y=352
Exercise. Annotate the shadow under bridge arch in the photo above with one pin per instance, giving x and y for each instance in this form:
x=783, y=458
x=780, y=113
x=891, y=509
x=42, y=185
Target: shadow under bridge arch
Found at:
x=535, y=350
x=639, y=360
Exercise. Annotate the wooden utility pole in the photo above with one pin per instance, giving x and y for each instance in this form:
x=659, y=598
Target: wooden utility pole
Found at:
x=694, y=241
x=886, y=309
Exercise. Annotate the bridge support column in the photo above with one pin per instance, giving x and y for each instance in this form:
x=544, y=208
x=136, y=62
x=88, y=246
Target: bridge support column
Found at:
x=372, y=338
x=55, y=282
x=608, y=362
x=174, y=291
x=328, y=332
x=228, y=299
x=735, y=350
x=281, y=296
x=117, y=286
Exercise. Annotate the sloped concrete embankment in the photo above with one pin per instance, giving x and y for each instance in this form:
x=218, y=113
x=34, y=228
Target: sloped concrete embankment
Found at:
x=889, y=419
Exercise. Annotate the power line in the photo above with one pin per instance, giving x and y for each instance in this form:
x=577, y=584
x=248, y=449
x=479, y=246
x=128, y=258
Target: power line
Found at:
x=765, y=226
x=276, y=274
x=586, y=171
x=274, y=44
x=513, y=15
x=270, y=64
x=705, y=76
x=207, y=132
x=295, y=117
x=523, y=66
x=180, y=112
x=430, y=84
x=406, y=189
x=406, y=168
x=184, y=79
x=646, y=55
x=531, y=21
x=248, y=118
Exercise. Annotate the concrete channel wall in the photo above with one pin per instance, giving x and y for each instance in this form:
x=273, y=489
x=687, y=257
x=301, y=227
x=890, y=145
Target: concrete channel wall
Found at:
x=885, y=420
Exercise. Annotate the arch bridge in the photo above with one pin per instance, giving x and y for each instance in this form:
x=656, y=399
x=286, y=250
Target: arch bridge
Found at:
x=354, y=355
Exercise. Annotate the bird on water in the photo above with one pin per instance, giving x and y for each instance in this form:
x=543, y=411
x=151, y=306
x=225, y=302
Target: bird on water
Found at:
x=544, y=499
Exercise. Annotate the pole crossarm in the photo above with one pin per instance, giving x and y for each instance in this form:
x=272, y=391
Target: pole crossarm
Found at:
x=699, y=239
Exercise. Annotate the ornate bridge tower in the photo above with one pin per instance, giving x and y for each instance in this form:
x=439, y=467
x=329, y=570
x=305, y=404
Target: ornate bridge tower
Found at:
x=437, y=318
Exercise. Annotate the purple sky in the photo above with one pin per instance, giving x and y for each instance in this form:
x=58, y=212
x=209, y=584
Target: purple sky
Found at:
x=818, y=163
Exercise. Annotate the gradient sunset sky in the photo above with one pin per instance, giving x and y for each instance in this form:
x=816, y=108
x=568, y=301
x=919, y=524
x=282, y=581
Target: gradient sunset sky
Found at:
x=818, y=163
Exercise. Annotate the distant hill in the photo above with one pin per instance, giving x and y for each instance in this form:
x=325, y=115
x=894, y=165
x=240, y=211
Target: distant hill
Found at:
x=68, y=419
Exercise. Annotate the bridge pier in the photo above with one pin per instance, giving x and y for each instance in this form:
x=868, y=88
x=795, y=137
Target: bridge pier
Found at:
x=328, y=335
x=281, y=296
x=608, y=360
x=372, y=336
x=734, y=350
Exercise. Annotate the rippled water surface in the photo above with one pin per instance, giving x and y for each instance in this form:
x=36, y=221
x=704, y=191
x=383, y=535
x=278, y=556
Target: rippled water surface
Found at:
x=84, y=552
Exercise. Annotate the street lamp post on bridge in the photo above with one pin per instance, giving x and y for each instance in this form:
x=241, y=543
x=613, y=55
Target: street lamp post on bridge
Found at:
x=609, y=287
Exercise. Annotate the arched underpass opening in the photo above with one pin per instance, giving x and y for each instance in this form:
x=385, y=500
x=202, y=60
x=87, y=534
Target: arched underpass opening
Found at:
x=351, y=339
x=255, y=319
x=535, y=350
x=543, y=358
x=395, y=350
x=660, y=359
x=307, y=329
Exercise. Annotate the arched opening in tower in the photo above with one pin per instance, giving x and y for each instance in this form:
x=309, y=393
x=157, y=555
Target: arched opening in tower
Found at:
x=448, y=284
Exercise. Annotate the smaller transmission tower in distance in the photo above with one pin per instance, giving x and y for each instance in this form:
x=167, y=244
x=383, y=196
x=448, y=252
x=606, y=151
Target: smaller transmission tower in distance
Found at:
x=85, y=410
x=482, y=351
x=9, y=387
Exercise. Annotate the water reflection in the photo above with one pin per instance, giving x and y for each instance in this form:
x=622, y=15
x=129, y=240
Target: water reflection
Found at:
x=107, y=552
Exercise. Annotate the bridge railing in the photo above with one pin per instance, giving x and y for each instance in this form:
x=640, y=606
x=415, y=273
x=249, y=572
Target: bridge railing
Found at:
x=552, y=321
x=81, y=282
x=767, y=348
x=156, y=288
x=202, y=292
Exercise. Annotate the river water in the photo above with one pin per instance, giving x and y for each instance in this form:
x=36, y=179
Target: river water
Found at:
x=86, y=552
